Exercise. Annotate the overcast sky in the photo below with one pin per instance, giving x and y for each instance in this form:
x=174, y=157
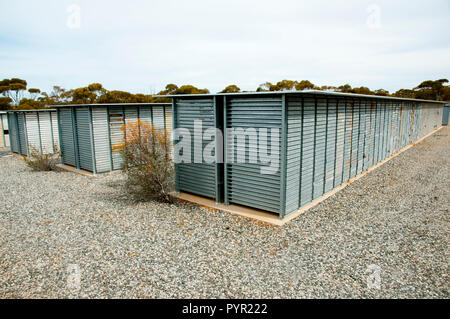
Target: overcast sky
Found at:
x=140, y=46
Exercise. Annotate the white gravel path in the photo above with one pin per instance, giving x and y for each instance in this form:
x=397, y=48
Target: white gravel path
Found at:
x=395, y=218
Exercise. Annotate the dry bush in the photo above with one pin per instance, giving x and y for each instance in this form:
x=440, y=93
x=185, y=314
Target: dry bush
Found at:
x=42, y=161
x=147, y=162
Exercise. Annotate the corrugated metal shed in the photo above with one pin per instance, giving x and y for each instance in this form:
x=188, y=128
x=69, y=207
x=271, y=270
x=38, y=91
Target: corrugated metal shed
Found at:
x=88, y=133
x=33, y=130
x=4, y=133
x=445, y=114
x=325, y=139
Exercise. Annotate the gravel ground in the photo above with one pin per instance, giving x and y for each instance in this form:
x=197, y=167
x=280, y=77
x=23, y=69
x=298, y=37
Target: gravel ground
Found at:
x=395, y=219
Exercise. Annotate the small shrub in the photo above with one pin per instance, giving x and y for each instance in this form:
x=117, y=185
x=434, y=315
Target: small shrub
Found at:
x=147, y=162
x=42, y=161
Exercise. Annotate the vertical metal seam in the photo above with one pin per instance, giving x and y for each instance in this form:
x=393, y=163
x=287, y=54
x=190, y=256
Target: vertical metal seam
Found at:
x=39, y=130
x=75, y=138
x=302, y=116
x=359, y=137
x=24, y=118
x=61, y=153
x=345, y=140
x=124, y=125
x=217, y=189
x=91, y=131
x=283, y=155
x=225, y=142
x=108, y=122
x=365, y=137
x=326, y=149
x=174, y=126
x=314, y=149
x=335, y=144
x=51, y=132
x=352, y=119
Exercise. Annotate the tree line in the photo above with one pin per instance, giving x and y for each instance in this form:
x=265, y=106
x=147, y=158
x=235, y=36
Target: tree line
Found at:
x=15, y=94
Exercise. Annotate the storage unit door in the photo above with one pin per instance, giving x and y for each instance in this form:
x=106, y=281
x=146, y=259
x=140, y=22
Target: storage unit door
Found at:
x=67, y=142
x=6, y=129
x=2, y=136
x=55, y=130
x=247, y=181
x=13, y=132
x=445, y=115
x=196, y=178
x=33, y=134
x=45, y=130
x=116, y=124
x=84, y=138
x=101, y=139
x=22, y=134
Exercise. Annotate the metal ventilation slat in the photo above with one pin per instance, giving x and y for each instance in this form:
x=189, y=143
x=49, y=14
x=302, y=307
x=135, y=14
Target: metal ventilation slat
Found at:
x=195, y=178
x=55, y=129
x=253, y=114
x=101, y=139
x=331, y=142
x=67, y=142
x=45, y=129
x=32, y=132
x=84, y=138
x=116, y=123
x=340, y=142
x=22, y=132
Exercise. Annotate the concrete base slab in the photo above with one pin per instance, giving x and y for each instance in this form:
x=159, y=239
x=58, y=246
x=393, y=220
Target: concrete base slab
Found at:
x=75, y=170
x=273, y=219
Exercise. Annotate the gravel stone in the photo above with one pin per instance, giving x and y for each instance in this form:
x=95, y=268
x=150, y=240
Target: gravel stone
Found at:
x=396, y=219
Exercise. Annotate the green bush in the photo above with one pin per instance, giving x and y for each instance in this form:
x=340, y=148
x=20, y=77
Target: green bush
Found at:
x=42, y=161
x=147, y=162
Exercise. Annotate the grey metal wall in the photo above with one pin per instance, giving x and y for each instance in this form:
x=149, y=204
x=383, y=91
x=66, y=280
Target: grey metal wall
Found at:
x=90, y=134
x=336, y=139
x=244, y=183
x=445, y=115
x=196, y=178
x=32, y=130
x=4, y=135
x=325, y=142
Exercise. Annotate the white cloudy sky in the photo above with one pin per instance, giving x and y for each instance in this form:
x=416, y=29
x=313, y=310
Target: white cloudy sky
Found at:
x=140, y=46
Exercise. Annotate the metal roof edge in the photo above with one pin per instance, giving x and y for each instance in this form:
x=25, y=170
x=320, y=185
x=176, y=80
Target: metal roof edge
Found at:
x=110, y=104
x=317, y=92
x=29, y=110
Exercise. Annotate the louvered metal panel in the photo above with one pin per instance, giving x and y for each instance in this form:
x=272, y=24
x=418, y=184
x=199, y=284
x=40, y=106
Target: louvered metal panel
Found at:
x=2, y=136
x=196, y=178
x=145, y=114
x=246, y=185
x=340, y=143
x=67, y=133
x=354, y=139
x=307, y=161
x=22, y=131
x=294, y=144
x=361, y=136
x=158, y=117
x=168, y=119
x=6, y=130
x=45, y=132
x=116, y=123
x=32, y=131
x=101, y=139
x=319, y=147
x=13, y=132
x=84, y=138
x=55, y=130
x=331, y=141
x=368, y=139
